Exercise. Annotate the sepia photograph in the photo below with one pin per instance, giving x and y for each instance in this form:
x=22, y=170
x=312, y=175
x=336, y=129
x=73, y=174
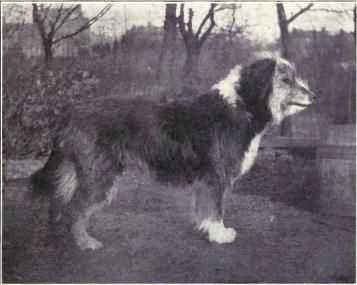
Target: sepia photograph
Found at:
x=178, y=142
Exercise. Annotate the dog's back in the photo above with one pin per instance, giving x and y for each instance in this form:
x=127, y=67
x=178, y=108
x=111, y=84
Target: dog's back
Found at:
x=173, y=140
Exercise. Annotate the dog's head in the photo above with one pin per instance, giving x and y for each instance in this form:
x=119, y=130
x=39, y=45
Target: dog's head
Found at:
x=290, y=94
x=269, y=88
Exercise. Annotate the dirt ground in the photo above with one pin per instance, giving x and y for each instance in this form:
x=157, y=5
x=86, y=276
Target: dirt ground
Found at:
x=147, y=236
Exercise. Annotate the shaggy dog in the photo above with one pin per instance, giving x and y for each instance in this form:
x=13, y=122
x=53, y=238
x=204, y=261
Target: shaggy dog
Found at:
x=207, y=143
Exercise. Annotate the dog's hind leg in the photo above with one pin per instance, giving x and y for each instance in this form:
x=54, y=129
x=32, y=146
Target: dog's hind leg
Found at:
x=65, y=182
x=79, y=228
x=208, y=210
x=96, y=165
x=83, y=216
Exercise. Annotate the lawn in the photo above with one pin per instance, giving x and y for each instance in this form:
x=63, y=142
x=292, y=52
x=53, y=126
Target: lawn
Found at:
x=147, y=235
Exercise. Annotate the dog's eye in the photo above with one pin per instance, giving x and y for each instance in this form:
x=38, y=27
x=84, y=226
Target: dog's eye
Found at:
x=287, y=80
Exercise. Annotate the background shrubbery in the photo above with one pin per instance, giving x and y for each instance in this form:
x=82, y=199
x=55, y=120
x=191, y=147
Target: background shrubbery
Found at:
x=35, y=99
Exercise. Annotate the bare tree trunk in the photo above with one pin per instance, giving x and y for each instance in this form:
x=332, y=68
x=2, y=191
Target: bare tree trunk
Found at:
x=285, y=49
x=191, y=67
x=284, y=42
x=172, y=58
x=284, y=26
x=352, y=101
x=353, y=97
x=49, y=26
x=354, y=22
x=169, y=41
x=284, y=33
x=193, y=43
x=161, y=59
x=172, y=32
x=353, y=85
x=47, y=47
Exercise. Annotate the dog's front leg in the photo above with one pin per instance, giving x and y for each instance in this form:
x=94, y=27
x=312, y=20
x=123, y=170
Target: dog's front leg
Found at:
x=208, y=204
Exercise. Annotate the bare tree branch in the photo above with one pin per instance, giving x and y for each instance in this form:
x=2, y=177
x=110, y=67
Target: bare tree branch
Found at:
x=188, y=34
x=211, y=26
x=189, y=23
x=223, y=7
x=330, y=10
x=233, y=32
x=45, y=12
x=87, y=25
x=49, y=25
x=334, y=11
x=194, y=42
x=181, y=23
x=67, y=14
x=303, y=10
x=38, y=20
x=234, y=8
x=202, y=25
x=59, y=13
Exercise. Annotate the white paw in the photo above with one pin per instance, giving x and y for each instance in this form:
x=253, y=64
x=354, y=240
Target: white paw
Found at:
x=89, y=243
x=217, y=232
x=225, y=235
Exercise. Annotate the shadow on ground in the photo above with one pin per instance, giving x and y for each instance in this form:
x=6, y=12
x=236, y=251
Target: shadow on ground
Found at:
x=148, y=238
x=289, y=180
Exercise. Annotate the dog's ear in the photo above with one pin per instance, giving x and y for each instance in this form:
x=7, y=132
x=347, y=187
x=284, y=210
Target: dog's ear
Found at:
x=255, y=85
x=257, y=77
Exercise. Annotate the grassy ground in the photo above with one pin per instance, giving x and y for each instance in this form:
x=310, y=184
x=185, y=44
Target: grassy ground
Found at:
x=147, y=236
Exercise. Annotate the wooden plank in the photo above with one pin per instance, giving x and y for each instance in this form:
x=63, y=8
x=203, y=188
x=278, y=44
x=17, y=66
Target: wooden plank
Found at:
x=288, y=142
x=336, y=152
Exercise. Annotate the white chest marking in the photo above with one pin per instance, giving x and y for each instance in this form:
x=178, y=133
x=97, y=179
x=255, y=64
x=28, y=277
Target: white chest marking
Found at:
x=250, y=154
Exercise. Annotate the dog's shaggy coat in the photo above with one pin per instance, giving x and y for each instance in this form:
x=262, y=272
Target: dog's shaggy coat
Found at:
x=208, y=142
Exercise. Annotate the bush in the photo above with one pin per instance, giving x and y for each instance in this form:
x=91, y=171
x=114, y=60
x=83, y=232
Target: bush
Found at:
x=33, y=106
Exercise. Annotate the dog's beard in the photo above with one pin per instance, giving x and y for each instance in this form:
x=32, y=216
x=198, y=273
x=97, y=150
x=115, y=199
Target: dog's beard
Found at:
x=293, y=109
x=276, y=108
x=281, y=109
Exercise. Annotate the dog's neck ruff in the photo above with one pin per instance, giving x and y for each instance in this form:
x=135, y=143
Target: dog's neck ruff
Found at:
x=227, y=87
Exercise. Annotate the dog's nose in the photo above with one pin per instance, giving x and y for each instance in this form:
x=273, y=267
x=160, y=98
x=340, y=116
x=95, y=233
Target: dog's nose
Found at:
x=312, y=95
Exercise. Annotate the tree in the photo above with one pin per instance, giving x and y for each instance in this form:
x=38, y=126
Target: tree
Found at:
x=353, y=85
x=232, y=28
x=284, y=26
x=354, y=22
x=341, y=13
x=227, y=37
x=13, y=24
x=50, y=23
x=169, y=41
x=194, y=42
x=14, y=13
x=284, y=41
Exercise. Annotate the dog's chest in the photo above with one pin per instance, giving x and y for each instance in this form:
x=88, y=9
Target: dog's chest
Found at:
x=250, y=154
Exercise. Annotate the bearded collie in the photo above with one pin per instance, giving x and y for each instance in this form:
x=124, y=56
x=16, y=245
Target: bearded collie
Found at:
x=206, y=143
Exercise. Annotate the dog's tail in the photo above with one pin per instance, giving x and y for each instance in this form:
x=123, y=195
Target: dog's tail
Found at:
x=42, y=181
